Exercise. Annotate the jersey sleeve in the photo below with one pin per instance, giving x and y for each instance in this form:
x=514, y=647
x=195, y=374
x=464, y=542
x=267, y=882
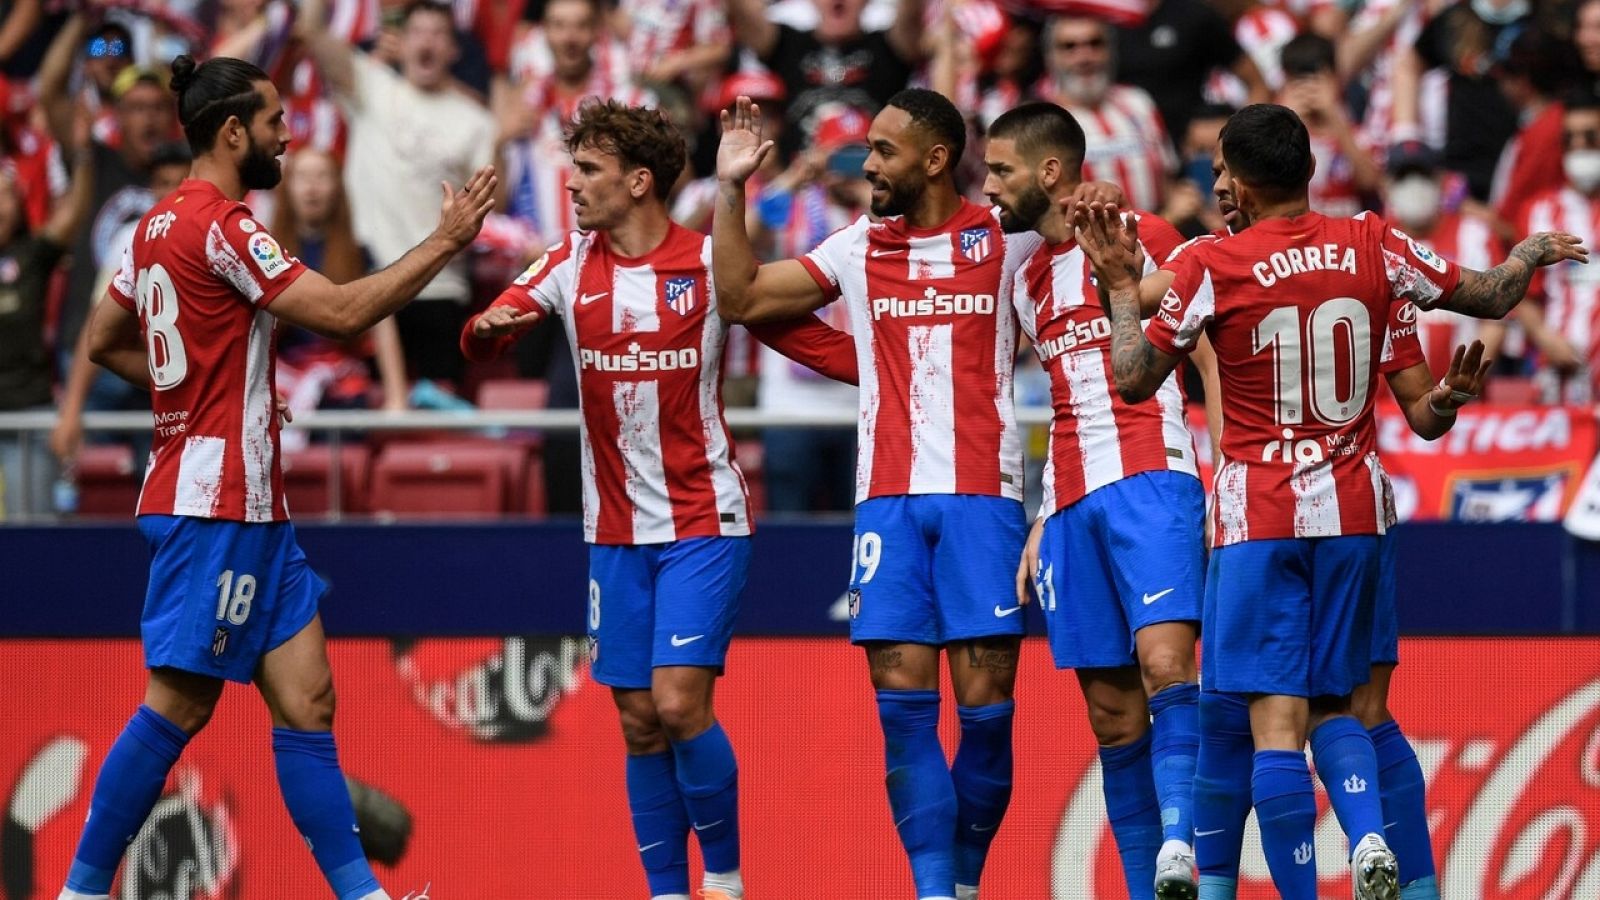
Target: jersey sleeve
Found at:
x=1187, y=308
x=542, y=288
x=1415, y=272
x=814, y=344
x=1159, y=238
x=1402, y=348
x=827, y=263
x=124, y=283
x=241, y=252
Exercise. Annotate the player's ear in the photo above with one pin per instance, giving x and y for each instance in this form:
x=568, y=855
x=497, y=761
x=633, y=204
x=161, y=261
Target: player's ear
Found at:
x=236, y=132
x=937, y=162
x=641, y=183
x=1050, y=173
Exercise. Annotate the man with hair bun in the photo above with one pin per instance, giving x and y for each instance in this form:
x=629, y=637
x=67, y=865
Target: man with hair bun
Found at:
x=231, y=596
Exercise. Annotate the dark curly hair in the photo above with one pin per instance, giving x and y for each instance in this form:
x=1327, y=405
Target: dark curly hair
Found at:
x=639, y=136
x=211, y=92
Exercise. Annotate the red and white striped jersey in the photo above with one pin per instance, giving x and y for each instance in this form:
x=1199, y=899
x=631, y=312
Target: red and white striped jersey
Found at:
x=659, y=27
x=1261, y=32
x=1470, y=243
x=199, y=275
x=648, y=345
x=1299, y=313
x=315, y=120
x=1571, y=292
x=1126, y=143
x=1096, y=437
x=1333, y=185
x=1377, y=131
x=936, y=340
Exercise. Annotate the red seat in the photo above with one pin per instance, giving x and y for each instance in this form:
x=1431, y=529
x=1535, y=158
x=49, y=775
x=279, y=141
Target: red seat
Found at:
x=449, y=478
x=108, y=481
x=1511, y=391
x=514, y=393
x=307, y=477
x=750, y=456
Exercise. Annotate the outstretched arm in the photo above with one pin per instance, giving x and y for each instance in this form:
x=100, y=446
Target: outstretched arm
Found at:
x=1492, y=294
x=334, y=58
x=747, y=291
x=344, y=311
x=1430, y=409
x=1138, y=367
x=812, y=343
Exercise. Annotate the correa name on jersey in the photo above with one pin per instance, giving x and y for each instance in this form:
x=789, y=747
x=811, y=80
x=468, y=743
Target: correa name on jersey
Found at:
x=1303, y=261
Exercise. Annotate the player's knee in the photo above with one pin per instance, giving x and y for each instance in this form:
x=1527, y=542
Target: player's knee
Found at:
x=1368, y=705
x=1163, y=667
x=1115, y=724
x=641, y=730
x=310, y=709
x=683, y=715
x=190, y=716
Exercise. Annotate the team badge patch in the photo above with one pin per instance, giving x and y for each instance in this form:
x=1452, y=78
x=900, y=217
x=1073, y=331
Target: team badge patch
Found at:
x=855, y=602
x=976, y=244
x=680, y=295
x=248, y=226
x=268, y=255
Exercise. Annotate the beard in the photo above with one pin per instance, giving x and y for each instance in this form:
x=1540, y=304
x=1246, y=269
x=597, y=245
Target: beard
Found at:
x=1030, y=207
x=259, y=171
x=1084, y=90
x=903, y=195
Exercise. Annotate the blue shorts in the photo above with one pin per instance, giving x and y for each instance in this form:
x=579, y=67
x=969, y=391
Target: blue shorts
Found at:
x=667, y=604
x=1129, y=554
x=1291, y=617
x=935, y=568
x=223, y=594
x=1385, y=616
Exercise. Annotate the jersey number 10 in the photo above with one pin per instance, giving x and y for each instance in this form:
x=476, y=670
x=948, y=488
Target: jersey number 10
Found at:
x=1337, y=339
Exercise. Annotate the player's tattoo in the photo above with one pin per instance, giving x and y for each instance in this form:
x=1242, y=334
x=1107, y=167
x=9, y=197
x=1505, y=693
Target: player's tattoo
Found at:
x=996, y=657
x=884, y=659
x=1133, y=358
x=1492, y=294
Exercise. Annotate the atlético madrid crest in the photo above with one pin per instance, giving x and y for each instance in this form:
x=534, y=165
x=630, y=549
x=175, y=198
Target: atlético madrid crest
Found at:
x=680, y=295
x=975, y=244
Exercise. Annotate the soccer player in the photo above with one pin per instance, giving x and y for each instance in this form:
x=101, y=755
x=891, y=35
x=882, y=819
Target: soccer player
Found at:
x=1117, y=554
x=665, y=509
x=231, y=597
x=1299, y=488
x=939, y=521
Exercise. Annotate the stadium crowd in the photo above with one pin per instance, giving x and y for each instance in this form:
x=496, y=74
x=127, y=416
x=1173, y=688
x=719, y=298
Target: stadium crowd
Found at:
x=1471, y=124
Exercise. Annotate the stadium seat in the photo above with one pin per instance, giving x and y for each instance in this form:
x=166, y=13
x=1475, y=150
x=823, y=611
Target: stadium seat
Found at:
x=1510, y=390
x=513, y=393
x=749, y=454
x=307, y=476
x=449, y=478
x=108, y=481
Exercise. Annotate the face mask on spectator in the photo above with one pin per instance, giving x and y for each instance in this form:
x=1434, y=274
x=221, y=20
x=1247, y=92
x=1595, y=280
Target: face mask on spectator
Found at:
x=1500, y=15
x=1583, y=169
x=1414, y=199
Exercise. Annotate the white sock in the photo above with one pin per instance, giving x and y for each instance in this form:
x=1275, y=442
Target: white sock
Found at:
x=376, y=895
x=966, y=892
x=670, y=897
x=69, y=894
x=729, y=882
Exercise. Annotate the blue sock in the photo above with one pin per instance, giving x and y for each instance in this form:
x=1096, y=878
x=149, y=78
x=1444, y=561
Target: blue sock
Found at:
x=1348, y=767
x=313, y=789
x=1286, y=810
x=660, y=822
x=922, y=795
x=982, y=777
x=1174, y=742
x=1404, y=794
x=1128, y=781
x=708, y=776
x=129, y=784
x=1222, y=792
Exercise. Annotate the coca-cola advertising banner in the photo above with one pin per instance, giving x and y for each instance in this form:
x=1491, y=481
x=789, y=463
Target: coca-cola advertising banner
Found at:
x=493, y=768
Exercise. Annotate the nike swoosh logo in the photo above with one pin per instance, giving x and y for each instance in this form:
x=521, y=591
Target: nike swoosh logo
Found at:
x=712, y=825
x=651, y=846
x=980, y=828
x=587, y=299
x=1151, y=598
x=1211, y=832
x=882, y=252
x=1001, y=613
x=679, y=642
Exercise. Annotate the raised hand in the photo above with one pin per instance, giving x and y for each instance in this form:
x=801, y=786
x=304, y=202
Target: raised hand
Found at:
x=498, y=321
x=1110, y=243
x=1550, y=247
x=1463, y=381
x=461, y=215
x=742, y=150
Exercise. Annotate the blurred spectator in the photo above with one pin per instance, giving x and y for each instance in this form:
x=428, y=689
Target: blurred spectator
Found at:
x=534, y=110
x=85, y=385
x=1372, y=35
x=1198, y=149
x=1537, y=69
x=313, y=221
x=1562, y=312
x=27, y=259
x=1013, y=68
x=1466, y=42
x=1345, y=173
x=682, y=41
x=1416, y=204
x=836, y=62
x=1586, y=41
x=1127, y=144
x=1172, y=53
x=31, y=153
x=107, y=49
x=22, y=37
x=408, y=132
x=1262, y=29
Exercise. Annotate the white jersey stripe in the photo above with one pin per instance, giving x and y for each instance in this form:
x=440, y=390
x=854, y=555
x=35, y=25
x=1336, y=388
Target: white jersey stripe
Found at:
x=933, y=419
x=634, y=305
x=1005, y=349
x=1099, y=444
x=931, y=257
x=199, y=486
x=1231, y=487
x=638, y=410
x=255, y=438
x=1175, y=433
x=727, y=482
x=1380, y=490
x=1316, y=500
